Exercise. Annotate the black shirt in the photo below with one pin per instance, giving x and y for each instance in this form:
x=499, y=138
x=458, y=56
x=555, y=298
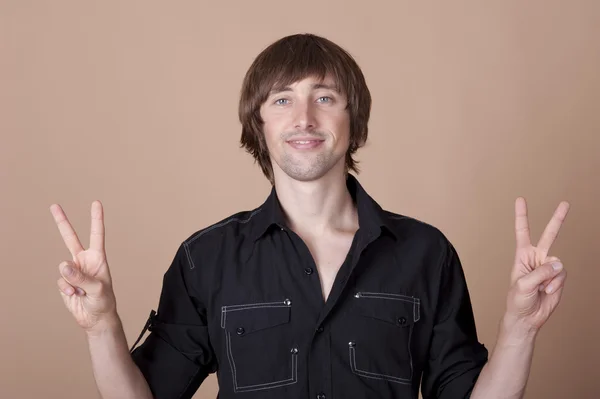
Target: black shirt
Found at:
x=242, y=298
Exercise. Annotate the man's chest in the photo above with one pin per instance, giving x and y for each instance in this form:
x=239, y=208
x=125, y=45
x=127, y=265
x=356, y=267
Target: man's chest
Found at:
x=319, y=275
x=328, y=255
x=270, y=325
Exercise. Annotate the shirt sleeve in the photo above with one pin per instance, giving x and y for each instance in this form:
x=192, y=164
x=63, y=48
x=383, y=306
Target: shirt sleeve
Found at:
x=176, y=356
x=456, y=357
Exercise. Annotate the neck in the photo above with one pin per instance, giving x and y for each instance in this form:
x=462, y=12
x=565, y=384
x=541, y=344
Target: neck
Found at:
x=317, y=208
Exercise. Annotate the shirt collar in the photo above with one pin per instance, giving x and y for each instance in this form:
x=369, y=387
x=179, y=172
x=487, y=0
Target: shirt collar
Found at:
x=372, y=219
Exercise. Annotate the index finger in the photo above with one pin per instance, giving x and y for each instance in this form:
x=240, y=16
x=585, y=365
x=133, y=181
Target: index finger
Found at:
x=551, y=232
x=66, y=230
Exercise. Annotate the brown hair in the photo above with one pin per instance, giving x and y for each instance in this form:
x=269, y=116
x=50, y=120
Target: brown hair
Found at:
x=288, y=60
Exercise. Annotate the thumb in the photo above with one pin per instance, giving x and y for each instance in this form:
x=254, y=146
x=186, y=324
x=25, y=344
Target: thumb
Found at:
x=549, y=259
x=545, y=272
x=75, y=277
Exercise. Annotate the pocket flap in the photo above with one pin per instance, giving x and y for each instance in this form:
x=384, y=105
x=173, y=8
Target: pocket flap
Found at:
x=396, y=309
x=246, y=320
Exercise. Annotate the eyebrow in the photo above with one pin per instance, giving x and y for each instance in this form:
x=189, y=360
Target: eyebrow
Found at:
x=314, y=86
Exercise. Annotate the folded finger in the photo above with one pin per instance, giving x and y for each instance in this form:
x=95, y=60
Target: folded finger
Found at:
x=81, y=282
x=539, y=275
x=65, y=287
x=549, y=259
x=556, y=282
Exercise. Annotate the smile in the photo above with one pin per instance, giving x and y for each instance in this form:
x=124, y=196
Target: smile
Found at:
x=305, y=144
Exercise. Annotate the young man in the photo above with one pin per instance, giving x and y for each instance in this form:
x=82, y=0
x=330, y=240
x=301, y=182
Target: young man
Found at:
x=319, y=292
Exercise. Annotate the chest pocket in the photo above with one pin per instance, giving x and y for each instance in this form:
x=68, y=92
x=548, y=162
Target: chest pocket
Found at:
x=381, y=349
x=259, y=345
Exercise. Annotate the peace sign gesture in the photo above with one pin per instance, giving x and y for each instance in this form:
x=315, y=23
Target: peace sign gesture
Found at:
x=537, y=280
x=85, y=285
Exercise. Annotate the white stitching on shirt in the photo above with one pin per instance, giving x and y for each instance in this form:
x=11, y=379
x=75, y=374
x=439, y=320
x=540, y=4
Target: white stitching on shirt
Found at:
x=223, y=223
x=230, y=308
x=417, y=309
x=384, y=295
x=187, y=252
x=233, y=308
x=377, y=376
x=256, y=387
x=397, y=297
x=416, y=316
x=206, y=230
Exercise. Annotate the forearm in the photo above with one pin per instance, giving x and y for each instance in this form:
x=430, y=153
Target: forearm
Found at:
x=506, y=373
x=117, y=376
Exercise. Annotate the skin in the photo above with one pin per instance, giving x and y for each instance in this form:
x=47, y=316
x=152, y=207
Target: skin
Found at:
x=307, y=109
x=310, y=183
x=311, y=180
x=537, y=283
x=85, y=285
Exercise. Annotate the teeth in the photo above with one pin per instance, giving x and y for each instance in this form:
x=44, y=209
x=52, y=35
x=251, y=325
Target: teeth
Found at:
x=302, y=142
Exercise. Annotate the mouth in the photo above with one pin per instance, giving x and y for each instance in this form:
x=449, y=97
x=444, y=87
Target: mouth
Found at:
x=305, y=144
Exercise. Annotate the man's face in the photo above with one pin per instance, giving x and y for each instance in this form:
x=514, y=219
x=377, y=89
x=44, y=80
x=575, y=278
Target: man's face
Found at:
x=306, y=128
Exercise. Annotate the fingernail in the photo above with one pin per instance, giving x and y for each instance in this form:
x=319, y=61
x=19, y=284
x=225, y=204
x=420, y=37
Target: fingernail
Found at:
x=549, y=289
x=80, y=291
x=69, y=291
x=541, y=287
x=68, y=270
x=557, y=265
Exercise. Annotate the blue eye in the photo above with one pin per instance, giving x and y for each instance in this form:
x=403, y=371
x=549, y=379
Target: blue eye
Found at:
x=279, y=102
x=327, y=99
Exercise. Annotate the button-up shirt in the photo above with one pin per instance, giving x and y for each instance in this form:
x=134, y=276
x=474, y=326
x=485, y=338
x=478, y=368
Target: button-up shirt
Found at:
x=242, y=298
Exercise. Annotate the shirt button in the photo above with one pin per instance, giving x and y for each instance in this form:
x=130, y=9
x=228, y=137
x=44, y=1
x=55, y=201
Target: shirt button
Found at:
x=321, y=396
x=308, y=271
x=320, y=329
x=240, y=331
x=402, y=321
x=294, y=350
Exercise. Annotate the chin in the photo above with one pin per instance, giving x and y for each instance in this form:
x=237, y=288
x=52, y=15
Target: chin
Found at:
x=306, y=170
x=307, y=174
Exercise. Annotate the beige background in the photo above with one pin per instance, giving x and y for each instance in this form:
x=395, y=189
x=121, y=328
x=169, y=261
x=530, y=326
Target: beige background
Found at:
x=134, y=103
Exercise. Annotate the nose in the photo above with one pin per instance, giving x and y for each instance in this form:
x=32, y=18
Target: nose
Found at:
x=304, y=116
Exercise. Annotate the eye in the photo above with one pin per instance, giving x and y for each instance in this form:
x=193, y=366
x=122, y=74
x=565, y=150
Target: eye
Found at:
x=324, y=99
x=281, y=101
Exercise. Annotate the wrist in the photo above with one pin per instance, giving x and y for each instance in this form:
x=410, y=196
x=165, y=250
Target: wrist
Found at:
x=108, y=324
x=513, y=331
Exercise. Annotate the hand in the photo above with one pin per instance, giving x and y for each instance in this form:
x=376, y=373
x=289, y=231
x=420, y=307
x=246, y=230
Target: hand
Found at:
x=537, y=280
x=86, y=285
